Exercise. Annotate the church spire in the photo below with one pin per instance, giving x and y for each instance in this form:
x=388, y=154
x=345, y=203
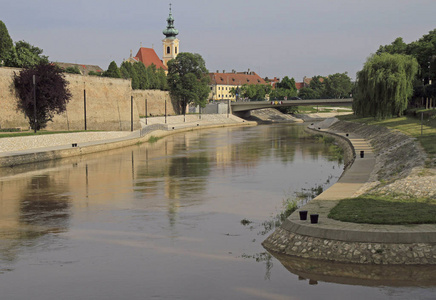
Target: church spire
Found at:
x=170, y=31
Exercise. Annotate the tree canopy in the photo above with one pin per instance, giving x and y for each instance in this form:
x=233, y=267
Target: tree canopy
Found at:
x=333, y=86
x=6, y=44
x=188, y=80
x=285, y=88
x=338, y=86
x=255, y=91
x=384, y=85
x=144, y=77
x=424, y=50
x=112, y=71
x=52, y=94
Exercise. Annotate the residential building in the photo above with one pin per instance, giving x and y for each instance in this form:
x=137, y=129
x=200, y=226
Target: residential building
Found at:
x=222, y=83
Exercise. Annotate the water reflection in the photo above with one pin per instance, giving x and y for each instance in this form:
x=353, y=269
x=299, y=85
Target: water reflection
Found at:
x=31, y=209
x=356, y=274
x=155, y=213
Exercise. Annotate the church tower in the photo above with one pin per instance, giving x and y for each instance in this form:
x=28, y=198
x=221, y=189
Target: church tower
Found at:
x=170, y=42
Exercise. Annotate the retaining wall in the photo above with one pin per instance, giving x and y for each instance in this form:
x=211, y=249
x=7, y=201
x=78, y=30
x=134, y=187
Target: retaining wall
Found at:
x=155, y=103
x=108, y=104
x=371, y=244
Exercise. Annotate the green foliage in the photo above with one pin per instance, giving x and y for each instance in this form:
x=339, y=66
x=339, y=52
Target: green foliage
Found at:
x=143, y=77
x=255, y=91
x=338, y=86
x=52, y=94
x=285, y=88
x=128, y=70
x=307, y=93
x=22, y=55
x=72, y=70
x=424, y=50
x=384, y=85
x=6, y=44
x=112, y=71
x=188, y=80
x=93, y=73
x=28, y=55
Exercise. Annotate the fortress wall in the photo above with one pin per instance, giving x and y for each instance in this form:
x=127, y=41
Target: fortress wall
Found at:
x=155, y=102
x=108, y=104
x=9, y=116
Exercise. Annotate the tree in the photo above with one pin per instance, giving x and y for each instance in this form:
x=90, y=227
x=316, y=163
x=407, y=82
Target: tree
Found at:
x=28, y=56
x=72, y=70
x=338, y=86
x=384, y=85
x=52, y=94
x=396, y=47
x=255, y=91
x=285, y=88
x=6, y=44
x=127, y=70
x=112, y=71
x=188, y=80
x=307, y=93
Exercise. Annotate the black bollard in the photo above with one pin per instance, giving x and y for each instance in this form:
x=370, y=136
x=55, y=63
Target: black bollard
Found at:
x=362, y=154
x=303, y=214
x=314, y=218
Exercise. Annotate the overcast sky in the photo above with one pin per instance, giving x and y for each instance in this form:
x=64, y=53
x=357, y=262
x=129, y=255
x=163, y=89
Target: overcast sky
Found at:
x=296, y=38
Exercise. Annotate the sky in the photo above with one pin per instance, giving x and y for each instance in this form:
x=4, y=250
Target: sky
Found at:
x=275, y=38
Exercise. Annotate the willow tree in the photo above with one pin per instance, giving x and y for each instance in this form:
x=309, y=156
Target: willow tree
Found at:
x=384, y=85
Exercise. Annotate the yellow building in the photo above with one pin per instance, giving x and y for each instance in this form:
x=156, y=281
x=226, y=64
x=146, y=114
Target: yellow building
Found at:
x=221, y=84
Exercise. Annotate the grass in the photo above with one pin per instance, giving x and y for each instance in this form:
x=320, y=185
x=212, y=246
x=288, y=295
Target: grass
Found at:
x=373, y=209
x=393, y=210
x=153, y=139
x=408, y=125
x=31, y=133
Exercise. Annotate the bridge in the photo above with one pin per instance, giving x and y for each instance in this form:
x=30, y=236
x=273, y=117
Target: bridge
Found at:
x=243, y=108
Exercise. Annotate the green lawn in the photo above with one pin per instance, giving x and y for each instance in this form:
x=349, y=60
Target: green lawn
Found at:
x=381, y=209
x=408, y=125
x=31, y=133
x=373, y=209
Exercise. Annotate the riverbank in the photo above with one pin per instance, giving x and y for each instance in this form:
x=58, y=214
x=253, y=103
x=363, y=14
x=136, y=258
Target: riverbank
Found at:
x=390, y=160
x=31, y=149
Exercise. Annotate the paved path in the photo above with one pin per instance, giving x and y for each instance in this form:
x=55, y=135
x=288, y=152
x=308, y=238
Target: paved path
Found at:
x=16, y=146
x=355, y=177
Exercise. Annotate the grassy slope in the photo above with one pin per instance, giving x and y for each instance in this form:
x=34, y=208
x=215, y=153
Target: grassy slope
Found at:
x=378, y=209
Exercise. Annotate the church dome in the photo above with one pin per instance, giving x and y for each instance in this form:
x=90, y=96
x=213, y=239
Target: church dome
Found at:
x=170, y=31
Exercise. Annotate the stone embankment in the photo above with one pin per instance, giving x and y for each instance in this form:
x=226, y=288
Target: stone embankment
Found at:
x=271, y=115
x=397, y=163
x=23, y=150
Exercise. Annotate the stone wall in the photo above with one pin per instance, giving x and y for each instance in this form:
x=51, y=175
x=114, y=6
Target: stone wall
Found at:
x=155, y=102
x=108, y=104
x=9, y=116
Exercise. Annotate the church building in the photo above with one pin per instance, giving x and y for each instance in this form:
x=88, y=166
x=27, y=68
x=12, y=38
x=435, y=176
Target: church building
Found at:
x=170, y=48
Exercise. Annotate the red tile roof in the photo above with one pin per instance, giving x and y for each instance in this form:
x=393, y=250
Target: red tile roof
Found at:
x=299, y=85
x=148, y=57
x=239, y=78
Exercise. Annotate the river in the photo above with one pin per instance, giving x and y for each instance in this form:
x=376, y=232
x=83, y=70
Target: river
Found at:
x=163, y=221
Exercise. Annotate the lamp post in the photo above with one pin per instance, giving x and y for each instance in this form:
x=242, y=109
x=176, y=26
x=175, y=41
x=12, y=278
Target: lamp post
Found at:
x=34, y=103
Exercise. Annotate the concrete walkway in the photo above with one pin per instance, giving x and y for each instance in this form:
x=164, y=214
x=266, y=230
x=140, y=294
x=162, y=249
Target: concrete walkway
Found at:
x=29, y=149
x=351, y=181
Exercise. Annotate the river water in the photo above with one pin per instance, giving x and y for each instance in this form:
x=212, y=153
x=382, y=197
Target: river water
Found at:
x=163, y=221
